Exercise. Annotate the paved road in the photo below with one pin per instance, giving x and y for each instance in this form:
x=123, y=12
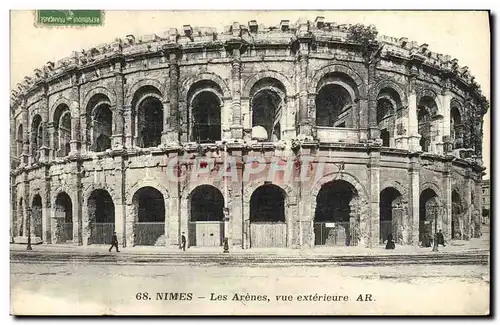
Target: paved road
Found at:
x=457, y=258
x=85, y=287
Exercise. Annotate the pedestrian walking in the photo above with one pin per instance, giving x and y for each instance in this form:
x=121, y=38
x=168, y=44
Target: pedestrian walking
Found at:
x=183, y=242
x=114, y=242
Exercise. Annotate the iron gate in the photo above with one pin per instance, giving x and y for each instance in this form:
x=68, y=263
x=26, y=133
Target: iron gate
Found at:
x=324, y=235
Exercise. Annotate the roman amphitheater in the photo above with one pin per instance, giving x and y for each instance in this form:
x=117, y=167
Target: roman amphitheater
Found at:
x=393, y=130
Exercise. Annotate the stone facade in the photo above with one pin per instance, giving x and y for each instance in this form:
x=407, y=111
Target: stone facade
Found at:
x=393, y=129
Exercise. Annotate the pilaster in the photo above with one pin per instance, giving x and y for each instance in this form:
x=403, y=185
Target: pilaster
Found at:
x=235, y=46
x=306, y=122
x=414, y=201
x=374, y=174
x=414, y=136
x=171, y=122
x=75, y=116
x=118, y=121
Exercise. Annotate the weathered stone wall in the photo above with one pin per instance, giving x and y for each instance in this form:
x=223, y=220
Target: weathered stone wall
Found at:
x=301, y=59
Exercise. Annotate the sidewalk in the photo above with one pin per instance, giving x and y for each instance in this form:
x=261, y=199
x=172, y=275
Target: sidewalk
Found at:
x=475, y=245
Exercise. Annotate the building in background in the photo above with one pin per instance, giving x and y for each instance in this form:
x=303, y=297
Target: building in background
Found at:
x=485, y=219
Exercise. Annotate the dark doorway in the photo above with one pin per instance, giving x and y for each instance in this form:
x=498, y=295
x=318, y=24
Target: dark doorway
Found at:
x=390, y=214
x=332, y=220
x=267, y=217
x=63, y=218
x=428, y=212
x=150, y=206
x=36, y=216
x=206, y=226
x=101, y=210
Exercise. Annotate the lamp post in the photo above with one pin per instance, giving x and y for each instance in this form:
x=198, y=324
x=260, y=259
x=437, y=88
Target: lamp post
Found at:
x=436, y=211
x=226, y=209
x=28, y=225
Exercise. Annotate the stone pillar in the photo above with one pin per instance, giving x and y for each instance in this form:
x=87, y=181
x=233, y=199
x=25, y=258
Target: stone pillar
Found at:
x=46, y=208
x=414, y=136
x=173, y=228
x=171, y=122
x=236, y=206
x=236, y=124
x=414, y=202
x=374, y=174
x=118, y=131
x=447, y=202
x=306, y=122
x=84, y=133
x=54, y=143
x=373, y=129
x=75, y=117
x=27, y=204
x=445, y=127
x=26, y=130
x=468, y=207
x=44, y=112
x=127, y=126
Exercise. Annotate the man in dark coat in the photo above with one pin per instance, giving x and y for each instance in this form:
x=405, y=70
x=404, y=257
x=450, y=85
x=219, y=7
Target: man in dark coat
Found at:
x=390, y=242
x=183, y=242
x=114, y=242
x=440, y=238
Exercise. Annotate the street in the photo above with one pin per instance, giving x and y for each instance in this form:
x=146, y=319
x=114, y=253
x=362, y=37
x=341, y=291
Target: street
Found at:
x=110, y=288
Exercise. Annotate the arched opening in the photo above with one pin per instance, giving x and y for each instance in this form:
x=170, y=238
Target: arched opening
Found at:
x=36, y=137
x=206, y=225
x=267, y=102
x=428, y=211
x=335, y=221
x=99, y=123
x=149, y=205
x=36, y=216
x=457, y=211
x=63, y=218
x=334, y=106
x=205, y=102
x=456, y=128
x=388, y=103
x=267, y=217
x=19, y=141
x=101, y=216
x=62, y=130
x=391, y=214
x=427, y=110
x=149, y=107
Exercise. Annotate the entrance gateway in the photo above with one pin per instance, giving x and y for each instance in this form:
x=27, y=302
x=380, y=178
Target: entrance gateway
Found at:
x=267, y=217
x=206, y=225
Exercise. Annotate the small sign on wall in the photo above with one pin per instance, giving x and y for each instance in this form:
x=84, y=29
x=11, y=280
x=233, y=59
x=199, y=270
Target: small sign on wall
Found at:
x=330, y=225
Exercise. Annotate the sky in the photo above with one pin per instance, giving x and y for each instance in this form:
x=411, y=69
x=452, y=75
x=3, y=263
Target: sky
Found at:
x=462, y=34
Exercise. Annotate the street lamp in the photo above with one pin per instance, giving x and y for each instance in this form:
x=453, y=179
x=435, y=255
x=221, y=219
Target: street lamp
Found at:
x=436, y=211
x=28, y=225
x=226, y=209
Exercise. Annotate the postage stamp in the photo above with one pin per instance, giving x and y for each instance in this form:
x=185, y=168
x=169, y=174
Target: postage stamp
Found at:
x=250, y=163
x=69, y=17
